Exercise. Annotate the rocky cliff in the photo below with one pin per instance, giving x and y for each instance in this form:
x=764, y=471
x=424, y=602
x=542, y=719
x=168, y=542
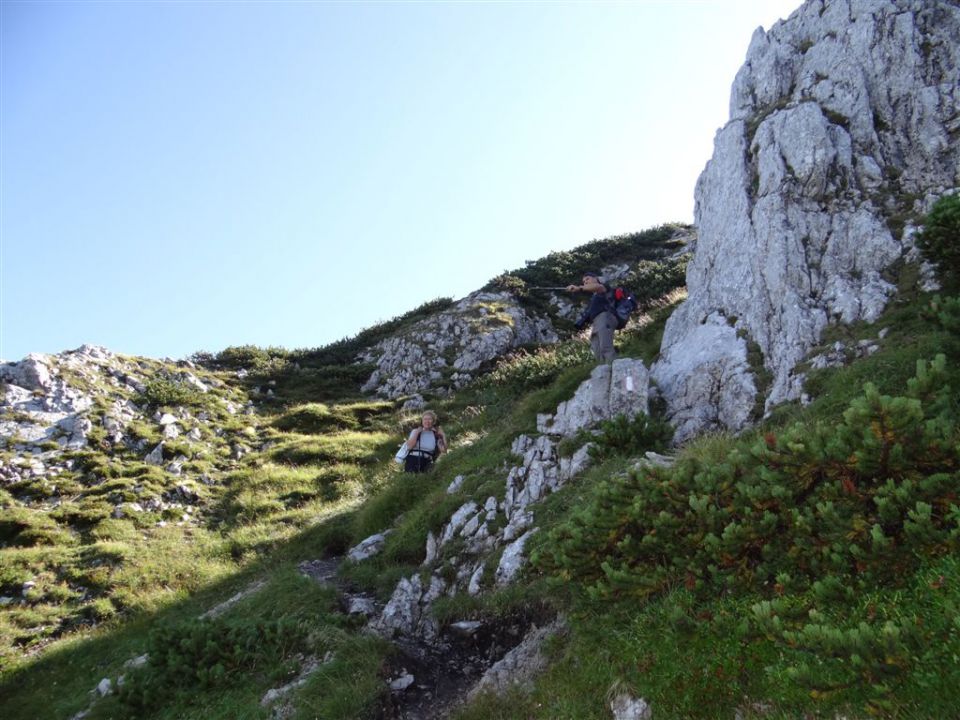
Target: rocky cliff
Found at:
x=843, y=127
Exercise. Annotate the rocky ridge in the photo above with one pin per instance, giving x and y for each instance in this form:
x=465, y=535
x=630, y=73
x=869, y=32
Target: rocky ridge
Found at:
x=843, y=123
x=453, y=344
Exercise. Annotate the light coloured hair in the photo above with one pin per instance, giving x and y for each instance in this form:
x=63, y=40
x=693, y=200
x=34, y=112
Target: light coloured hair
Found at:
x=432, y=415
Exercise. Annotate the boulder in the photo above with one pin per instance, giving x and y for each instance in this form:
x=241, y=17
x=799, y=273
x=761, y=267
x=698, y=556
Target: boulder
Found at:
x=620, y=388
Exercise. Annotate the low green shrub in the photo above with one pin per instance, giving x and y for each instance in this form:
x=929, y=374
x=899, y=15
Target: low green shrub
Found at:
x=940, y=239
x=859, y=499
x=206, y=654
x=622, y=435
x=161, y=392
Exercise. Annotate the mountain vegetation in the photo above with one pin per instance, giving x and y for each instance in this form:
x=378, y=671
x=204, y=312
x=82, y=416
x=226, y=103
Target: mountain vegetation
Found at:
x=803, y=568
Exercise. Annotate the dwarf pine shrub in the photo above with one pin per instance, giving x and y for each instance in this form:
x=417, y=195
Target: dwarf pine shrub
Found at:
x=857, y=500
x=623, y=435
x=207, y=654
x=940, y=239
x=165, y=393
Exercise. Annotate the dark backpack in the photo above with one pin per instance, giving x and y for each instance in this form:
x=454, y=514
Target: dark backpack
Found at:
x=622, y=304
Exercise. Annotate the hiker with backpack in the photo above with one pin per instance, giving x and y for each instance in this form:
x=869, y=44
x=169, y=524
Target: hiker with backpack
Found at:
x=608, y=310
x=425, y=444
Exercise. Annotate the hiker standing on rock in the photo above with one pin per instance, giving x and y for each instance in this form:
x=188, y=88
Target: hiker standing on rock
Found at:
x=599, y=313
x=425, y=444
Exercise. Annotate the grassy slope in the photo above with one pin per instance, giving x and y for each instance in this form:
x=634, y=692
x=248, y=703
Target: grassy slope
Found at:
x=327, y=483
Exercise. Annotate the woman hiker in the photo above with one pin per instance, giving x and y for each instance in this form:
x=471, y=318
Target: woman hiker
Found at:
x=425, y=444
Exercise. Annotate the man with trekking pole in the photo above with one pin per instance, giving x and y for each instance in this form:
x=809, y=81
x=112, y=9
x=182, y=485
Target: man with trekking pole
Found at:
x=597, y=312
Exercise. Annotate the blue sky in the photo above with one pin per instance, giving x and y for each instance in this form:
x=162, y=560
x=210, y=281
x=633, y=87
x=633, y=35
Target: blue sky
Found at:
x=184, y=176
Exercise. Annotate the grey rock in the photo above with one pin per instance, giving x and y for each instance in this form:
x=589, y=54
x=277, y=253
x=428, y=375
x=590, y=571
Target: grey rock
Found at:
x=519, y=666
x=626, y=707
x=512, y=559
x=839, y=118
x=32, y=373
x=221, y=608
x=193, y=381
x=309, y=667
x=616, y=389
x=576, y=464
x=137, y=662
x=368, y=547
x=465, y=628
x=401, y=683
x=171, y=431
x=402, y=612
x=105, y=687
x=475, y=330
x=455, y=485
x=360, y=605
x=457, y=521
x=414, y=402
x=476, y=577
x=155, y=456
x=431, y=551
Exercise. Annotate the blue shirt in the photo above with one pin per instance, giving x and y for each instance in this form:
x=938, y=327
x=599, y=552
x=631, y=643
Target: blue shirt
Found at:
x=598, y=305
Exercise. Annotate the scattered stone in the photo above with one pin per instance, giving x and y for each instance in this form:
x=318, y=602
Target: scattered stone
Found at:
x=432, y=546
x=137, y=662
x=218, y=610
x=155, y=456
x=401, y=683
x=322, y=571
x=466, y=628
x=512, y=559
x=360, y=605
x=519, y=666
x=105, y=687
x=626, y=707
x=455, y=485
x=309, y=667
x=369, y=547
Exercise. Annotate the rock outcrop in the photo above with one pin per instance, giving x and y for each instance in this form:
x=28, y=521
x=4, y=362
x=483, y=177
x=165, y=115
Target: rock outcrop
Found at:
x=843, y=120
x=485, y=527
x=450, y=347
x=620, y=388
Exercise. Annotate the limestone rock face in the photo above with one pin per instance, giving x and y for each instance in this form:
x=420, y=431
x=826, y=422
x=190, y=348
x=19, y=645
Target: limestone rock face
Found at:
x=452, y=345
x=842, y=116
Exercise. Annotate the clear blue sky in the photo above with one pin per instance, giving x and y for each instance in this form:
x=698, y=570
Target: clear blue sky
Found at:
x=183, y=176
